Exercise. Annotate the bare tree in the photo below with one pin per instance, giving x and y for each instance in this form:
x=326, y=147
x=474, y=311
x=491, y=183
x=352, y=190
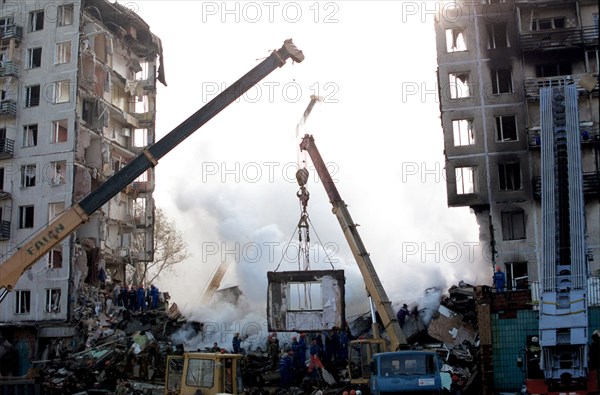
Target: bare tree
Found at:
x=169, y=249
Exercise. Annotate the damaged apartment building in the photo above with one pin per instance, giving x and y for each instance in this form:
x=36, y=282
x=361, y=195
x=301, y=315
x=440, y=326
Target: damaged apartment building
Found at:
x=494, y=59
x=77, y=103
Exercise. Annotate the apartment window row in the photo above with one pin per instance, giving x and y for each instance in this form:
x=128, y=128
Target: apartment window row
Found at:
x=505, y=130
x=62, y=55
x=460, y=84
x=56, y=93
x=54, y=174
x=497, y=35
x=23, y=301
x=58, y=133
x=27, y=213
x=509, y=178
x=64, y=17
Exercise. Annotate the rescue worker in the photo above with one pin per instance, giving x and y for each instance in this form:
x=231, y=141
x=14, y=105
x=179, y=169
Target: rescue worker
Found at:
x=499, y=279
x=315, y=361
x=286, y=369
x=154, y=296
x=141, y=298
x=236, y=343
x=273, y=352
x=401, y=314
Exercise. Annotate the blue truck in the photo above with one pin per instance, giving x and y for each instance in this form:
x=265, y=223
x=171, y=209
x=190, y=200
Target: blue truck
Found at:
x=407, y=372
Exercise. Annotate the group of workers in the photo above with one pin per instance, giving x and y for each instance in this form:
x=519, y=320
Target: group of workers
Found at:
x=137, y=299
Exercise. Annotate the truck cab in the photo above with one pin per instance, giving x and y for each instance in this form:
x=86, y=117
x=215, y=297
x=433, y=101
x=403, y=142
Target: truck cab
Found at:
x=204, y=373
x=415, y=372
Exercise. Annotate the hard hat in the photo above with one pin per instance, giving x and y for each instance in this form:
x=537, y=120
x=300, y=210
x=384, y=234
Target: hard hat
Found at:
x=358, y=392
x=535, y=339
x=596, y=333
x=352, y=392
x=345, y=393
x=294, y=338
x=302, y=335
x=498, y=268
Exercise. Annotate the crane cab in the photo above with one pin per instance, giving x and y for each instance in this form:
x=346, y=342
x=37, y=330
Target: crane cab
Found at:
x=360, y=356
x=205, y=373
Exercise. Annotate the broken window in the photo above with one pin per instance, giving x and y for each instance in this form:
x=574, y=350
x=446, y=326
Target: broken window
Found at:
x=57, y=172
x=118, y=162
x=592, y=61
x=55, y=258
x=465, y=180
x=509, y=176
x=552, y=69
x=140, y=137
x=53, y=300
x=59, y=131
x=61, y=92
x=513, y=224
x=200, y=373
x=506, y=128
x=502, y=81
x=25, y=217
x=463, y=132
x=62, y=53
x=305, y=300
x=28, y=176
x=459, y=85
x=89, y=112
x=548, y=23
x=30, y=135
x=497, y=36
x=22, y=302
x=65, y=15
x=54, y=209
x=517, y=276
x=305, y=296
x=36, y=20
x=32, y=96
x=456, y=40
x=34, y=57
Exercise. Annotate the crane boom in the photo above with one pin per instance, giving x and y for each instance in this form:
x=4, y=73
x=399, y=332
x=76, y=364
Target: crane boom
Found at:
x=363, y=260
x=58, y=229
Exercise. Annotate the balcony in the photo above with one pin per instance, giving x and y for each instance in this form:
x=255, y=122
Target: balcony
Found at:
x=8, y=108
x=591, y=185
x=11, y=31
x=7, y=147
x=9, y=69
x=533, y=85
x=590, y=134
x=4, y=230
x=559, y=38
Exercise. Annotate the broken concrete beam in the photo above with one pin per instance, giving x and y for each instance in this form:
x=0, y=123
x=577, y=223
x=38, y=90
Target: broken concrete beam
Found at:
x=449, y=327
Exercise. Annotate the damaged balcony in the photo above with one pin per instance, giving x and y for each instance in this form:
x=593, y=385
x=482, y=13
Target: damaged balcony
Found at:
x=589, y=132
x=586, y=83
x=559, y=38
x=10, y=32
x=9, y=69
x=8, y=109
x=7, y=148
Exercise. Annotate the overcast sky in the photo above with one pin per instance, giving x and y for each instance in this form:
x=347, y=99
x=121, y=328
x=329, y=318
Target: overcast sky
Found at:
x=230, y=187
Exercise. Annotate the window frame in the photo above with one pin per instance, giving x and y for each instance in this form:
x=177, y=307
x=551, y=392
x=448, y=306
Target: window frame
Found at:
x=500, y=127
x=60, y=127
x=512, y=282
x=26, y=216
x=497, y=75
x=50, y=305
x=57, y=168
x=55, y=256
x=458, y=132
x=28, y=180
x=508, y=220
x=473, y=174
x=452, y=35
x=506, y=176
x=493, y=37
x=62, y=52
x=31, y=134
x=65, y=15
x=59, y=89
x=36, y=21
x=31, y=56
x=30, y=100
x=455, y=85
x=22, y=296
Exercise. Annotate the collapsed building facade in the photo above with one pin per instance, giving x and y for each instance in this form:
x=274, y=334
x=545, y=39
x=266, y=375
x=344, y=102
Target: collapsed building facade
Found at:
x=494, y=60
x=78, y=102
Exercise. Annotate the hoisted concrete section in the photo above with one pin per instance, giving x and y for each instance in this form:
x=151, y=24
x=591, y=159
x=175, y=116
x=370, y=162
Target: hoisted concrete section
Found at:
x=306, y=300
